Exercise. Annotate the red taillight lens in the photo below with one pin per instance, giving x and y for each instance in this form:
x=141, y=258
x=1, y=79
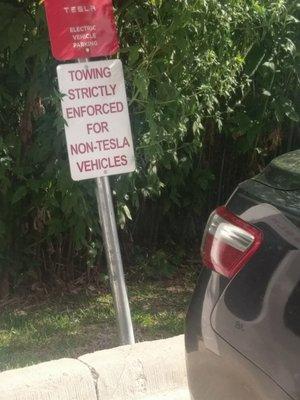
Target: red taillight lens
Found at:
x=228, y=242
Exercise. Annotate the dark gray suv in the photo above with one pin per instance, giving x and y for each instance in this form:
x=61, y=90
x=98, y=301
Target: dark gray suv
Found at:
x=243, y=324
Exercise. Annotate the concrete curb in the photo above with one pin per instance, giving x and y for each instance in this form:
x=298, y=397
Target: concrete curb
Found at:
x=179, y=394
x=145, y=371
x=133, y=372
x=64, y=379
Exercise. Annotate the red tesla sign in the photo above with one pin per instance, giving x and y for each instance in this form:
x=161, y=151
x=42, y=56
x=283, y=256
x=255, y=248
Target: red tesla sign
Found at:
x=81, y=28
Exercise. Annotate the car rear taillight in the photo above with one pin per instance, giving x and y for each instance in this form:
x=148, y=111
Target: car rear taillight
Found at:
x=228, y=242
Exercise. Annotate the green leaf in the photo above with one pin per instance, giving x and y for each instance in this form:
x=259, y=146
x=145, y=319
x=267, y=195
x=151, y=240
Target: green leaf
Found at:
x=127, y=212
x=289, y=110
x=292, y=115
x=141, y=81
x=19, y=194
x=270, y=65
x=254, y=60
x=15, y=33
x=133, y=55
x=266, y=93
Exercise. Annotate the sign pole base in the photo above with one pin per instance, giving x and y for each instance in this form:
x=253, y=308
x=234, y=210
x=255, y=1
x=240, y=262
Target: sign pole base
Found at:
x=114, y=259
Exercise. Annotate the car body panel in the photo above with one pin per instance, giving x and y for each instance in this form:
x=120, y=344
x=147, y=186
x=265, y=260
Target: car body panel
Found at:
x=215, y=369
x=243, y=335
x=251, y=312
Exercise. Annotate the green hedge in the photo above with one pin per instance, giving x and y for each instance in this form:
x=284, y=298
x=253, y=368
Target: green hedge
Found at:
x=212, y=88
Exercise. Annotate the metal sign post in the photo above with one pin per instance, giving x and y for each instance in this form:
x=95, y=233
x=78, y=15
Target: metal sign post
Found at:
x=114, y=259
x=100, y=144
x=98, y=131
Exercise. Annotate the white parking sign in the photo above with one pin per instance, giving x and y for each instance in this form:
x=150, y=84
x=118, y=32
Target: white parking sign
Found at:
x=98, y=128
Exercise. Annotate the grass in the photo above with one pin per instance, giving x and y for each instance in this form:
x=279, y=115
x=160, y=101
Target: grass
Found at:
x=71, y=325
